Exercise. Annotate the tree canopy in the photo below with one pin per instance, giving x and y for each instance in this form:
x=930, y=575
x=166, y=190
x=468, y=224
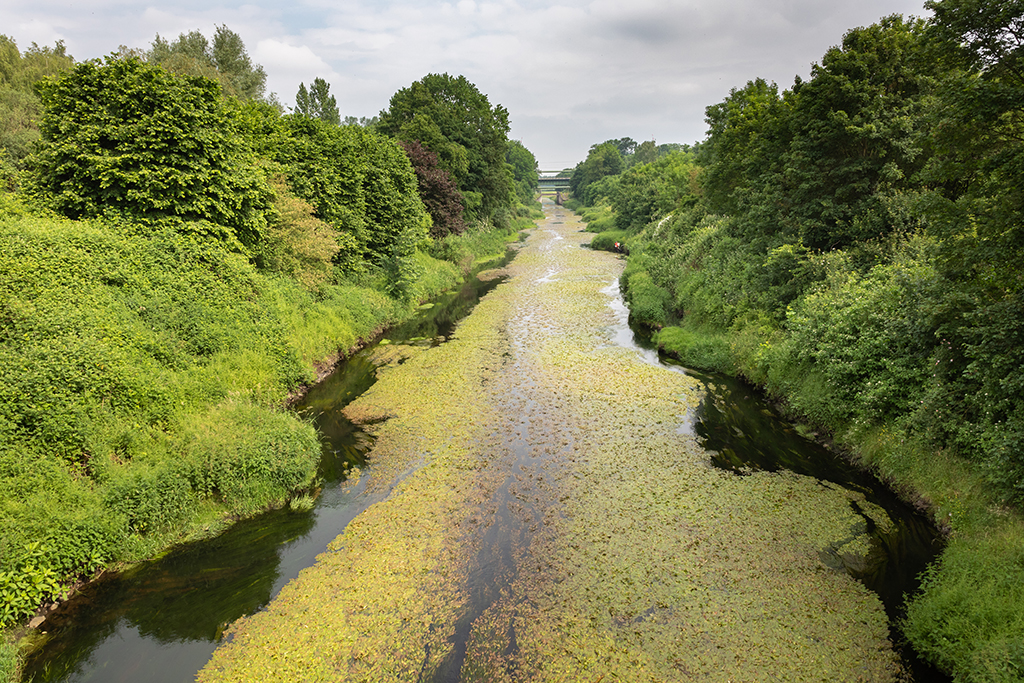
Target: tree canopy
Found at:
x=132, y=138
x=449, y=116
x=224, y=60
x=603, y=160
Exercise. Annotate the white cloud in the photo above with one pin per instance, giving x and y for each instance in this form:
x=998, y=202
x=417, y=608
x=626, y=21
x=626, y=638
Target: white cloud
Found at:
x=570, y=72
x=274, y=54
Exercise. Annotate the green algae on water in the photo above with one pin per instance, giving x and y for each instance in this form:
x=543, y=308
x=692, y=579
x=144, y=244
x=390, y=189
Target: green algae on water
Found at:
x=548, y=522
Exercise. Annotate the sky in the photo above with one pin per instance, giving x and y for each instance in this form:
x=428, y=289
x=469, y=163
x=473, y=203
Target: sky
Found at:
x=571, y=73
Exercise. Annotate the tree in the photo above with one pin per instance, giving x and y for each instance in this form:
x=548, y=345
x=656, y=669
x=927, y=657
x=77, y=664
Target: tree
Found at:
x=647, y=191
x=856, y=135
x=626, y=146
x=362, y=184
x=127, y=137
x=988, y=36
x=746, y=138
x=438, y=191
x=225, y=61
x=20, y=108
x=645, y=153
x=317, y=102
x=602, y=161
x=453, y=119
x=524, y=171
x=298, y=244
x=976, y=208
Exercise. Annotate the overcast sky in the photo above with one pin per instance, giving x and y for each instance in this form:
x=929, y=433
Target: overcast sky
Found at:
x=570, y=73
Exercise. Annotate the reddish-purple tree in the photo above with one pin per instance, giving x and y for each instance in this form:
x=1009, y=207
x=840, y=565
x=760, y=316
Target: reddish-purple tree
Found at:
x=438, y=191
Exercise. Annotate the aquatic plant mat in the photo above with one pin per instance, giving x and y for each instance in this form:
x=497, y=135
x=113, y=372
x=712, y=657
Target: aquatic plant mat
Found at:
x=553, y=519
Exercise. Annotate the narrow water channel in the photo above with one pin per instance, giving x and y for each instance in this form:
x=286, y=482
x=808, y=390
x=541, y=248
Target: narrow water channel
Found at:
x=162, y=621
x=743, y=433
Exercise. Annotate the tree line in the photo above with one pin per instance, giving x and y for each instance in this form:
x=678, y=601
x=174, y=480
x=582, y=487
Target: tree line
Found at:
x=854, y=244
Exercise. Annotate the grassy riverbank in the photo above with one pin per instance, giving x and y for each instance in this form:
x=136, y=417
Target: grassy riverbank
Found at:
x=144, y=383
x=967, y=618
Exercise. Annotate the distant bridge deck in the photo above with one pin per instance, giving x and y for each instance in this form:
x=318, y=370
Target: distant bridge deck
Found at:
x=552, y=184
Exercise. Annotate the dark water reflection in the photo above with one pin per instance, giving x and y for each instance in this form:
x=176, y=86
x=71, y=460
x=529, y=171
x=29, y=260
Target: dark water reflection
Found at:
x=161, y=621
x=742, y=433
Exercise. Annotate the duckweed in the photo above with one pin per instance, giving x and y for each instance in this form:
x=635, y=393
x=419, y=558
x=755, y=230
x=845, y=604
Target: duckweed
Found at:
x=548, y=522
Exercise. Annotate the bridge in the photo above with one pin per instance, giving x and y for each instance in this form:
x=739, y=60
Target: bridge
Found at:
x=551, y=184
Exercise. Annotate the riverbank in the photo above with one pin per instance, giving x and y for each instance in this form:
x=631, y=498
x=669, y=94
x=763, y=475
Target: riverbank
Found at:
x=139, y=336
x=967, y=618
x=554, y=520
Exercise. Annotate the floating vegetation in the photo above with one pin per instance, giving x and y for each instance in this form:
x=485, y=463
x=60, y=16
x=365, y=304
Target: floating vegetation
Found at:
x=548, y=521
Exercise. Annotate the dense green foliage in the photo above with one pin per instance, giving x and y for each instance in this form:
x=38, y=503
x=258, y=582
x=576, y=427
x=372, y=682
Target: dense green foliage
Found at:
x=125, y=137
x=20, y=108
x=854, y=244
x=362, y=183
x=454, y=120
x=524, y=171
x=602, y=161
x=178, y=263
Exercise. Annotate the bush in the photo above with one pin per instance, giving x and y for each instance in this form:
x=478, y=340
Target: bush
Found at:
x=248, y=456
x=648, y=303
x=700, y=350
x=607, y=240
x=131, y=138
x=297, y=243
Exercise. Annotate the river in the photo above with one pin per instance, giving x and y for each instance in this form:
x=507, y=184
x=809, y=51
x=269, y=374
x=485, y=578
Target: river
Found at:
x=543, y=501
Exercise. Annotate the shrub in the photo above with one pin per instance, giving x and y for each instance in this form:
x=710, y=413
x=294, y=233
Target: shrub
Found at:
x=248, y=456
x=607, y=240
x=648, y=303
x=297, y=243
x=128, y=137
x=696, y=349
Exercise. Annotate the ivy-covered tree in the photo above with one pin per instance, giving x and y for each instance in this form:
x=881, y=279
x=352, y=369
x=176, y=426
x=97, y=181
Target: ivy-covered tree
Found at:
x=453, y=119
x=225, y=60
x=131, y=138
x=317, y=102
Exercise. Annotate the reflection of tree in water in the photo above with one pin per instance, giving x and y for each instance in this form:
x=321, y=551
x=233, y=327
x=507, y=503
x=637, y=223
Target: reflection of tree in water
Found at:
x=736, y=424
x=189, y=595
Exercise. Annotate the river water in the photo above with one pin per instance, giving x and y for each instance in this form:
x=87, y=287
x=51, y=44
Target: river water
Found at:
x=162, y=621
